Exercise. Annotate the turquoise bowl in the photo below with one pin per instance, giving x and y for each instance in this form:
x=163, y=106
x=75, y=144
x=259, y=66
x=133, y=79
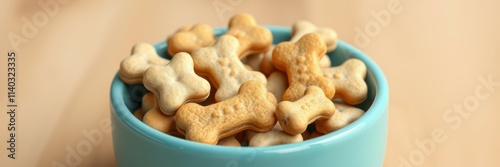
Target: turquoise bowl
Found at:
x=360, y=144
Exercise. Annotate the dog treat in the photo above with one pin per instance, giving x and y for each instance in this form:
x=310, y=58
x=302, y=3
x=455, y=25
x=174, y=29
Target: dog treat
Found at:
x=190, y=38
x=300, y=61
x=148, y=102
x=343, y=116
x=176, y=83
x=295, y=116
x=138, y=114
x=133, y=67
x=252, y=38
x=349, y=81
x=328, y=35
x=223, y=67
x=273, y=137
x=159, y=121
x=249, y=109
x=239, y=89
x=315, y=134
x=277, y=83
x=229, y=141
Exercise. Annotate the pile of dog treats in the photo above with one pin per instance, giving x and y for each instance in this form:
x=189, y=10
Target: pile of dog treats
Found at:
x=239, y=89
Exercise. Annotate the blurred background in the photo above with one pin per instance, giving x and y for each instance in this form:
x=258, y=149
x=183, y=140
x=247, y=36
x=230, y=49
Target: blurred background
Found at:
x=440, y=57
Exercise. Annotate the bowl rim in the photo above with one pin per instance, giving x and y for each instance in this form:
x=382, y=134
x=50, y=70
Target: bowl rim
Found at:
x=376, y=110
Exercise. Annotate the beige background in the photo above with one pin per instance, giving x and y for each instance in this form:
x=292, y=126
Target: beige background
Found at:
x=433, y=53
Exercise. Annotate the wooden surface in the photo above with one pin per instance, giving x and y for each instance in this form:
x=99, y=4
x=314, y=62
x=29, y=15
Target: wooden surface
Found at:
x=440, y=57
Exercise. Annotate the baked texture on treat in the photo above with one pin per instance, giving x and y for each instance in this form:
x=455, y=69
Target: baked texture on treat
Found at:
x=300, y=61
x=349, y=80
x=252, y=37
x=223, y=67
x=295, y=116
x=249, y=109
x=176, y=83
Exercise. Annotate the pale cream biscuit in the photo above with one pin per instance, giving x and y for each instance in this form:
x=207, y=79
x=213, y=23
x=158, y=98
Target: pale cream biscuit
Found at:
x=249, y=109
x=344, y=115
x=176, y=83
x=300, y=61
x=229, y=141
x=328, y=35
x=349, y=81
x=252, y=37
x=273, y=137
x=277, y=83
x=295, y=116
x=143, y=56
x=221, y=64
x=190, y=38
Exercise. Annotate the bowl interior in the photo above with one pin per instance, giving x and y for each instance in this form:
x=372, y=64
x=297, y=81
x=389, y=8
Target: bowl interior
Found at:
x=126, y=98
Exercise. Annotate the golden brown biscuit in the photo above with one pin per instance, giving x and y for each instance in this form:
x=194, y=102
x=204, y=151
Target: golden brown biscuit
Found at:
x=249, y=109
x=267, y=66
x=300, y=61
x=252, y=37
x=190, y=38
x=148, y=102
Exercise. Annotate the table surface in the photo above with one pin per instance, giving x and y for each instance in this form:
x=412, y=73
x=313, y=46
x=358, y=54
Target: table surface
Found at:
x=440, y=57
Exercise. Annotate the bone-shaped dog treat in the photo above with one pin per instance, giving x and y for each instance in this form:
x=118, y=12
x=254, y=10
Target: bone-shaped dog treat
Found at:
x=344, y=115
x=300, y=61
x=143, y=56
x=249, y=109
x=176, y=83
x=138, y=114
x=252, y=37
x=349, y=81
x=277, y=83
x=295, y=116
x=222, y=65
x=188, y=39
x=328, y=35
x=159, y=121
